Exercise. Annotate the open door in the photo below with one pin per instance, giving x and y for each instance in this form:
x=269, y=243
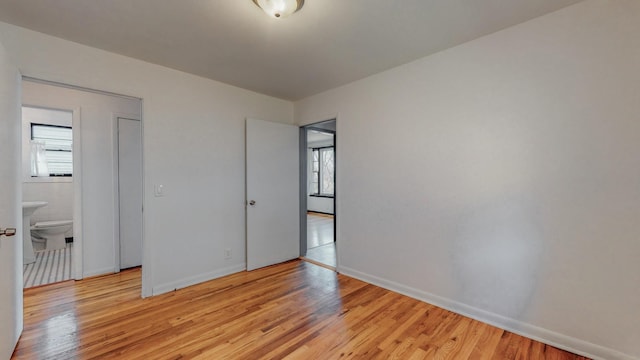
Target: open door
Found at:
x=10, y=209
x=272, y=193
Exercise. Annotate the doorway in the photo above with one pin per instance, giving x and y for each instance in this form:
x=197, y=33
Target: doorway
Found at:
x=94, y=197
x=50, y=140
x=318, y=210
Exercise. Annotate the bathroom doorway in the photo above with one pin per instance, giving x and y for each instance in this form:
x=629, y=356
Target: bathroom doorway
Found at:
x=94, y=184
x=48, y=194
x=318, y=171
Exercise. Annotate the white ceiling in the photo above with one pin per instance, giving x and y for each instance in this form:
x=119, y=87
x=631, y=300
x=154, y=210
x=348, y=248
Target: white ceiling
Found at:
x=326, y=44
x=316, y=137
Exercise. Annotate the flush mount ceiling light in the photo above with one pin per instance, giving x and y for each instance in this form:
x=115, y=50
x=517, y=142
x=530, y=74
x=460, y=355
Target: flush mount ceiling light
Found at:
x=279, y=8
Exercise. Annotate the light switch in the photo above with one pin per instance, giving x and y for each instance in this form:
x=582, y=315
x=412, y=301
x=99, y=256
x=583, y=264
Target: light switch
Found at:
x=158, y=190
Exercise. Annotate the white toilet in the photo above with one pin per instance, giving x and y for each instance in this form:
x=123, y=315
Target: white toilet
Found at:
x=53, y=232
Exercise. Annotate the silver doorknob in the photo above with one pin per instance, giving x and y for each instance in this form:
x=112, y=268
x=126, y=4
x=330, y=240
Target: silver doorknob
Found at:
x=7, y=231
x=252, y=202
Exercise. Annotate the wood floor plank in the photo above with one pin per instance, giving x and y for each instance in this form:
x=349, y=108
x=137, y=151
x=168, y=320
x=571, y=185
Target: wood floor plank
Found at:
x=294, y=310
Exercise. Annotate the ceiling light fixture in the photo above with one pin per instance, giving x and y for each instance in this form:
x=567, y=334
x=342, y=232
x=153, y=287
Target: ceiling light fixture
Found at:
x=279, y=8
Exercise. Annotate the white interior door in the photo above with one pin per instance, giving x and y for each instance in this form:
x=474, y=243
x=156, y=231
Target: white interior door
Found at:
x=10, y=209
x=130, y=191
x=273, y=229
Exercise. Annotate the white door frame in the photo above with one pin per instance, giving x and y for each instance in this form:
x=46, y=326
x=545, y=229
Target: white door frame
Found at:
x=338, y=185
x=77, y=187
x=77, y=195
x=116, y=188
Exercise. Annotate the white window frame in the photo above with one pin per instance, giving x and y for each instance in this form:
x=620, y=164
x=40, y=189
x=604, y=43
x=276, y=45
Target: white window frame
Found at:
x=70, y=129
x=66, y=121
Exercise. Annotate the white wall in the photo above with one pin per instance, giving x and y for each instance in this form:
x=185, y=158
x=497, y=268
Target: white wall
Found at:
x=98, y=169
x=501, y=178
x=193, y=145
x=320, y=204
x=10, y=209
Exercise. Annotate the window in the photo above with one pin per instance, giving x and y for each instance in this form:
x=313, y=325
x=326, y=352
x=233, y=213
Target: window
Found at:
x=322, y=171
x=51, y=150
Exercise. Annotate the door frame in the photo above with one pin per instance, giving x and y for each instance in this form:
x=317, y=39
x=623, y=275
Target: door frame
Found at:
x=304, y=184
x=146, y=290
x=77, y=195
x=116, y=187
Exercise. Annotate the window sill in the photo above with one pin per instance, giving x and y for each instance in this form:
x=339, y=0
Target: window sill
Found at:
x=322, y=196
x=49, y=179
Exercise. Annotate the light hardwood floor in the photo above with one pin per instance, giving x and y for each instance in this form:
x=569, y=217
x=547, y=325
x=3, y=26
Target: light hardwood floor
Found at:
x=319, y=229
x=321, y=248
x=295, y=310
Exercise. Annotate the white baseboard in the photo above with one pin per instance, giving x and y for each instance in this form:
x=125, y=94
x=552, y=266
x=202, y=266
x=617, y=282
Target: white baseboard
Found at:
x=545, y=336
x=98, y=272
x=183, y=283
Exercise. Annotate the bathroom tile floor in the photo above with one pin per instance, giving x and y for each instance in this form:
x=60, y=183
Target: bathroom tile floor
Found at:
x=51, y=266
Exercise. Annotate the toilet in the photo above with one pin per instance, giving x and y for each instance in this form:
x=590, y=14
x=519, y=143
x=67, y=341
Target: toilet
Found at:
x=52, y=232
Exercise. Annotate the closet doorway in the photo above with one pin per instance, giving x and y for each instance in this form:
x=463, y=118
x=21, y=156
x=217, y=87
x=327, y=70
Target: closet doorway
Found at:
x=129, y=177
